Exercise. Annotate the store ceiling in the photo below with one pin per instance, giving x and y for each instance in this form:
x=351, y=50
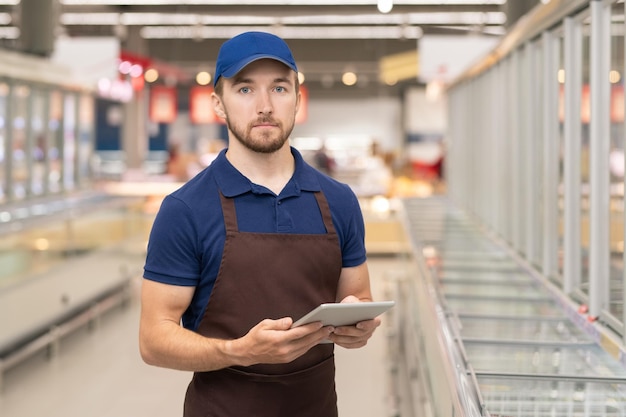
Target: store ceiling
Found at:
x=327, y=37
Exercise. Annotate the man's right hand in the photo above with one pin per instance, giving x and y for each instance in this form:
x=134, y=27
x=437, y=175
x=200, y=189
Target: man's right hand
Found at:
x=274, y=341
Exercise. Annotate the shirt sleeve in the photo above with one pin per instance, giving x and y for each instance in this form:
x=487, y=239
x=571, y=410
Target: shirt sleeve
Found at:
x=353, y=247
x=173, y=255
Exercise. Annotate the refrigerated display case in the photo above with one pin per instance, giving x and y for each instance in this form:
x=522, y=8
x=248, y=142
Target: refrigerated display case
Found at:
x=497, y=337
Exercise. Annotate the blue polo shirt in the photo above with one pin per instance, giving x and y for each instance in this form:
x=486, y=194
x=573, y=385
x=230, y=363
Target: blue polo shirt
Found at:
x=188, y=234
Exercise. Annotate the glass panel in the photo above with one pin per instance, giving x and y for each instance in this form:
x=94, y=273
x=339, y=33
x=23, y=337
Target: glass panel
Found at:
x=39, y=145
x=616, y=231
x=536, y=398
x=69, y=142
x=4, y=93
x=504, y=307
x=85, y=137
x=479, y=264
x=561, y=139
x=55, y=137
x=584, y=163
x=488, y=277
x=487, y=289
x=537, y=257
x=582, y=360
x=19, y=169
x=513, y=329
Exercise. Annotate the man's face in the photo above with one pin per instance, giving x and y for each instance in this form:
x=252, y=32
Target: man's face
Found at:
x=260, y=105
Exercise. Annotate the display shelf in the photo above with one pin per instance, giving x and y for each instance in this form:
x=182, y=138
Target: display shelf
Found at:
x=558, y=329
x=503, y=328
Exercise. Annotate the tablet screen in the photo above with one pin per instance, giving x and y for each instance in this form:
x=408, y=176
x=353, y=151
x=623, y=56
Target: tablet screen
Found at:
x=344, y=314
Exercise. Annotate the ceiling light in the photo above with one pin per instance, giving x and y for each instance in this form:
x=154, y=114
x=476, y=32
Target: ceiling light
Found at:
x=385, y=6
x=203, y=78
x=155, y=19
x=124, y=67
x=349, y=78
x=136, y=70
x=302, y=32
x=151, y=75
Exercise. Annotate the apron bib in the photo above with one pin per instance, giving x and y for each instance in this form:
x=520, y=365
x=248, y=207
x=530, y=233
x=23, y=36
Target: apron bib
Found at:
x=269, y=275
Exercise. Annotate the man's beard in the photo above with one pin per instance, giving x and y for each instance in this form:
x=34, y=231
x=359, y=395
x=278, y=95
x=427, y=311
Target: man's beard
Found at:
x=266, y=143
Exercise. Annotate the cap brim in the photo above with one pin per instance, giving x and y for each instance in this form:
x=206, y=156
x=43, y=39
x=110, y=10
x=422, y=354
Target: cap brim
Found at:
x=238, y=66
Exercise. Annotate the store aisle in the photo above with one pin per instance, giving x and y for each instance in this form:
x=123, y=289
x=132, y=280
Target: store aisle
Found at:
x=99, y=373
x=363, y=375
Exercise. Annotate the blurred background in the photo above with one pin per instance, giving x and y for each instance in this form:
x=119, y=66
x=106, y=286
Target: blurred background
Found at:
x=484, y=139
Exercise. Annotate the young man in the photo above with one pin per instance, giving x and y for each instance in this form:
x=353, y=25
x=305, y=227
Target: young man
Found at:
x=249, y=245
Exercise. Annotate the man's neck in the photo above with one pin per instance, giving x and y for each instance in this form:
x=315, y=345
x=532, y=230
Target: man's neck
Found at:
x=272, y=170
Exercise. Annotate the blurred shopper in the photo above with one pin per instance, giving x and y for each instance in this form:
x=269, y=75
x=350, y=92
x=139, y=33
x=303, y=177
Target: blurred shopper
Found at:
x=250, y=244
x=176, y=165
x=323, y=161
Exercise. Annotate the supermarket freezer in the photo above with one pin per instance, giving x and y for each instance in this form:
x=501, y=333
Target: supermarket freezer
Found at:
x=491, y=339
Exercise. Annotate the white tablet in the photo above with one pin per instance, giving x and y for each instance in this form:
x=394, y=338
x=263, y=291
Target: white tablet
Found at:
x=344, y=314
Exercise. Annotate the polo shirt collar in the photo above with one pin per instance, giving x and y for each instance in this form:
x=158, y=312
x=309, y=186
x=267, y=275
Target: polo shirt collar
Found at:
x=233, y=183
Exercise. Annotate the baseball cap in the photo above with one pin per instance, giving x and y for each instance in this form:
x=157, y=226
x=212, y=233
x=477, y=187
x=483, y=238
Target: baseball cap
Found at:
x=248, y=47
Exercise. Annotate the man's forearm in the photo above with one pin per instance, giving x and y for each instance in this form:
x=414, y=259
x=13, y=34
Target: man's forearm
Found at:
x=172, y=346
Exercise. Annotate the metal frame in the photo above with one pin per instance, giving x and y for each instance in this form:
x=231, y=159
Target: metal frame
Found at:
x=8, y=164
x=527, y=154
x=516, y=154
x=599, y=179
x=624, y=205
x=571, y=158
x=550, y=136
x=535, y=243
x=503, y=165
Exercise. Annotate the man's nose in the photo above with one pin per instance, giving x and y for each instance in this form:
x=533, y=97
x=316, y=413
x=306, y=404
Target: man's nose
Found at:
x=265, y=103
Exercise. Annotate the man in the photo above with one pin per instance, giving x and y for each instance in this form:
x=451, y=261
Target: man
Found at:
x=249, y=245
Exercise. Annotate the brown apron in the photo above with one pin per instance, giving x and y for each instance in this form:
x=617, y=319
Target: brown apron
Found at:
x=269, y=275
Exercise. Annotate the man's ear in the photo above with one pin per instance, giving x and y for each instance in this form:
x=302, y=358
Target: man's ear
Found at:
x=298, y=101
x=218, y=106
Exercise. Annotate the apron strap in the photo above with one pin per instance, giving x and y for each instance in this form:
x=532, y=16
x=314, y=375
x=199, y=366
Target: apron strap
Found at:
x=325, y=209
x=230, y=215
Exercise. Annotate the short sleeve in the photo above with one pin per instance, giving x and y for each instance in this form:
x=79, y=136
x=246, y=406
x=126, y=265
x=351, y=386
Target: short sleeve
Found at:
x=173, y=255
x=353, y=246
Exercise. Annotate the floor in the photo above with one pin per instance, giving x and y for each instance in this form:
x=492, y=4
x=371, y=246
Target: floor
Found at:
x=98, y=372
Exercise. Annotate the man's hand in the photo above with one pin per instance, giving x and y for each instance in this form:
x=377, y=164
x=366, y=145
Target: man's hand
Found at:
x=353, y=337
x=273, y=341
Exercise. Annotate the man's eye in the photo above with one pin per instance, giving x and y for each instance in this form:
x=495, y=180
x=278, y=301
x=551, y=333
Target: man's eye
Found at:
x=245, y=90
x=280, y=89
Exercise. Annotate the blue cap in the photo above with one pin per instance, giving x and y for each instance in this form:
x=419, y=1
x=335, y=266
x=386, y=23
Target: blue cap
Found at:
x=248, y=47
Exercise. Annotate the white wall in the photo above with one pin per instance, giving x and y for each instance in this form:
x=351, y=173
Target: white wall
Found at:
x=378, y=119
x=89, y=59
x=445, y=57
x=423, y=114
